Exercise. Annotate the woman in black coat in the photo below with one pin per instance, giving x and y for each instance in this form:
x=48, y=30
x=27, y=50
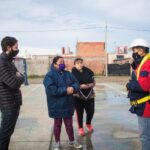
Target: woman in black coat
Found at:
x=84, y=99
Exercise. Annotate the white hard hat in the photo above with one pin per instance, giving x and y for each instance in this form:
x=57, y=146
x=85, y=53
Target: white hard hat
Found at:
x=138, y=42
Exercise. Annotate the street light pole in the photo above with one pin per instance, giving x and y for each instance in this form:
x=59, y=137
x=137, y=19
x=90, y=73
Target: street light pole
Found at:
x=106, y=59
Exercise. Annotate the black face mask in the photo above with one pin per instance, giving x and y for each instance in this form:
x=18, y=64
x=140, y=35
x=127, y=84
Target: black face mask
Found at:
x=137, y=59
x=136, y=56
x=13, y=53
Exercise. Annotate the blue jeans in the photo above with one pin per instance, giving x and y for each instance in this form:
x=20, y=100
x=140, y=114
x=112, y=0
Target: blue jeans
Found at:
x=9, y=118
x=144, y=127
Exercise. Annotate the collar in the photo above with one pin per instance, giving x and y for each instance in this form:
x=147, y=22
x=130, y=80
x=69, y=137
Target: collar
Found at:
x=6, y=57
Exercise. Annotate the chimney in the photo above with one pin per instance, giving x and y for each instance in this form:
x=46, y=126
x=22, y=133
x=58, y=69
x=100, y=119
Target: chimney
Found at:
x=125, y=49
x=63, y=50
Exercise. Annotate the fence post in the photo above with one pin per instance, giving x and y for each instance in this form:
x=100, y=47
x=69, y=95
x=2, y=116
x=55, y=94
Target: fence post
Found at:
x=25, y=72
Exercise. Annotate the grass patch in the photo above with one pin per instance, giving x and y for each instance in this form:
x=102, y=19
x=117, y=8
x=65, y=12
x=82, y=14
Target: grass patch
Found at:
x=35, y=76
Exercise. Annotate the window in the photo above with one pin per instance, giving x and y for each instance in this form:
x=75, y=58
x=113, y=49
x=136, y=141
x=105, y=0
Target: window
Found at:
x=120, y=57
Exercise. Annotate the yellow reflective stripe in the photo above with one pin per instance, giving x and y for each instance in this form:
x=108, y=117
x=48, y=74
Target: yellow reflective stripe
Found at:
x=140, y=101
x=147, y=57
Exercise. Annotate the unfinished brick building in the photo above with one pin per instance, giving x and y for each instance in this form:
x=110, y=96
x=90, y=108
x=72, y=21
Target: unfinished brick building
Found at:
x=93, y=54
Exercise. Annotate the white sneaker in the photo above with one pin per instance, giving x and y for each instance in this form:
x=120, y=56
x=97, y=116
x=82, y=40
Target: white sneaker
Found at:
x=56, y=146
x=75, y=144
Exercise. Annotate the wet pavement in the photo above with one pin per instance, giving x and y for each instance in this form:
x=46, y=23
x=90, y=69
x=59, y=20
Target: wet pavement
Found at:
x=114, y=127
x=34, y=127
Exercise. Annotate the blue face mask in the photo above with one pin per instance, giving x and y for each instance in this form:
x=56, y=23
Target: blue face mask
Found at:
x=62, y=67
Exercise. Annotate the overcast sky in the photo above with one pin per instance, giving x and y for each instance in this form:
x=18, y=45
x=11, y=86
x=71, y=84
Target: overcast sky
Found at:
x=47, y=25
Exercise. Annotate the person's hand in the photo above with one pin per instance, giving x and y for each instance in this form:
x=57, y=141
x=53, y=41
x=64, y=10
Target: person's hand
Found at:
x=127, y=86
x=70, y=90
x=84, y=86
x=87, y=86
x=18, y=74
x=131, y=61
x=91, y=85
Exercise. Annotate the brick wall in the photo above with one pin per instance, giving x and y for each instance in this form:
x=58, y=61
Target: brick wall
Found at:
x=93, y=54
x=90, y=49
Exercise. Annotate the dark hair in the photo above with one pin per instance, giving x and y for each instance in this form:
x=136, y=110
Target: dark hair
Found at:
x=8, y=41
x=78, y=59
x=146, y=49
x=55, y=59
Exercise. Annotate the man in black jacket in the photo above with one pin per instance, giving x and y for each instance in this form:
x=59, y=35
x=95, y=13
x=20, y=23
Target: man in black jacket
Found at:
x=10, y=94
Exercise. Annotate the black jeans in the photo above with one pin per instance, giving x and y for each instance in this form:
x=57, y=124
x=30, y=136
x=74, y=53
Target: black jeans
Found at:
x=88, y=106
x=9, y=118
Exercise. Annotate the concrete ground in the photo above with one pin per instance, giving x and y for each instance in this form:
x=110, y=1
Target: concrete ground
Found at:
x=114, y=127
x=34, y=127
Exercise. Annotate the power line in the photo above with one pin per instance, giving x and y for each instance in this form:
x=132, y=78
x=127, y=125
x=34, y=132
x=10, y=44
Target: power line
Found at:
x=106, y=65
x=88, y=27
x=131, y=29
x=51, y=30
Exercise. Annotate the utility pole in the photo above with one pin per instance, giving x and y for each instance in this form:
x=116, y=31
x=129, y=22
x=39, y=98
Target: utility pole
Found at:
x=106, y=59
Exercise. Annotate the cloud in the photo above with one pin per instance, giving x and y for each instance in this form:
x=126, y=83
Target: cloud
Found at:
x=37, y=15
x=134, y=10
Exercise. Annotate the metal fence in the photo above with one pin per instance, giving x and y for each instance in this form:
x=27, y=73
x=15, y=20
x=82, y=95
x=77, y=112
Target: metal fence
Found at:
x=119, y=69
